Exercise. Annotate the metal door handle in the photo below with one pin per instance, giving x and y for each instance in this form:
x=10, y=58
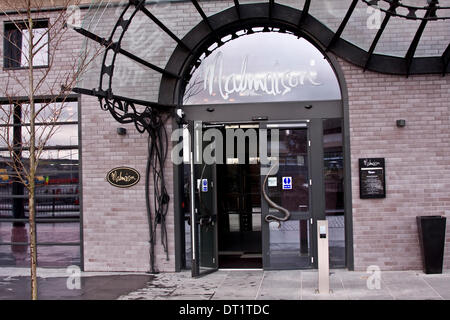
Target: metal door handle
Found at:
x=272, y=204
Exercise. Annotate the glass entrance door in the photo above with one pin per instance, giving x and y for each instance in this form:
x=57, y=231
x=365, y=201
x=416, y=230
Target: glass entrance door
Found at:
x=285, y=196
x=203, y=206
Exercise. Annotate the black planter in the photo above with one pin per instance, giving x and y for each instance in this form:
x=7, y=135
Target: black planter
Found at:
x=432, y=241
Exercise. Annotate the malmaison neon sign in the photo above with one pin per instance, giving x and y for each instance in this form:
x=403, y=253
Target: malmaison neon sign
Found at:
x=246, y=83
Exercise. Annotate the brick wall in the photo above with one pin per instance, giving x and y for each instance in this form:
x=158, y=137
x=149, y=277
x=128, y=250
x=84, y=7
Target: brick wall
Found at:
x=417, y=162
x=115, y=223
x=64, y=49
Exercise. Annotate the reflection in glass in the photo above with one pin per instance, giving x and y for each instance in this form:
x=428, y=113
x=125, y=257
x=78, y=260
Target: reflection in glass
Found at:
x=6, y=137
x=363, y=25
x=283, y=68
x=330, y=12
x=58, y=232
x=40, y=54
x=14, y=256
x=289, y=243
x=334, y=189
x=58, y=256
x=293, y=163
x=57, y=190
x=52, y=112
x=404, y=29
x=60, y=135
x=297, y=4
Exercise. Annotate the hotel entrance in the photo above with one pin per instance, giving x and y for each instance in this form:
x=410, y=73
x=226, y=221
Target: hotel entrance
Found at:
x=252, y=203
x=263, y=150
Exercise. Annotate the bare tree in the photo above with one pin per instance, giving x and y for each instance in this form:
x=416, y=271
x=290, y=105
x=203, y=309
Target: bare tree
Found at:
x=40, y=63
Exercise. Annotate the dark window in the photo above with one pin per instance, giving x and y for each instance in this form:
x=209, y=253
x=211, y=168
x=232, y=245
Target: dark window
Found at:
x=16, y=44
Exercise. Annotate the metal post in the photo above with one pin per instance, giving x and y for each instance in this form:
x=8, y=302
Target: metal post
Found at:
x=323, y=257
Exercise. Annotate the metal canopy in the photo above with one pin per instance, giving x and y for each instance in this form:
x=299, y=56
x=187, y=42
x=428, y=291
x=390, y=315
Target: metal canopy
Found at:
x=273, y=16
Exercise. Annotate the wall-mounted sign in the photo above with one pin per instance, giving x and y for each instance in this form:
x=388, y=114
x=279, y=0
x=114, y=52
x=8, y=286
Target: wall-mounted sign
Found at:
x=372, y=182
x=123, y=177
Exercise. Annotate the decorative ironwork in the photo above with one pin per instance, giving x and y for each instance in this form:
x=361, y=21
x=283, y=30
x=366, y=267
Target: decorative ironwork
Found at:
x=380, y=31
x=412, y=10
x=126, y=112
x=344, y=22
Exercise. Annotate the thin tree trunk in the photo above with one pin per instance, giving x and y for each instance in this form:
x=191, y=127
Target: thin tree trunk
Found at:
x=32, y=172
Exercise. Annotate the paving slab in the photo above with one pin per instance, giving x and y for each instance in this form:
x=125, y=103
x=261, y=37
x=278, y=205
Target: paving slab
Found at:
x=357, y=288
x=281, y=285
x=96, y=287
x=408, y=285
x=440, y=284
x=239, y=285
x=227, y=285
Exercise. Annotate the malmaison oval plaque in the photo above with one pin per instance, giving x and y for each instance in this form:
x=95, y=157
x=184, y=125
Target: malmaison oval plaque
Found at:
x=123, y=177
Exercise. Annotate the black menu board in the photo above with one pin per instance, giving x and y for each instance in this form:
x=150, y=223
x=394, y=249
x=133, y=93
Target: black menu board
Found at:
x=372, y=183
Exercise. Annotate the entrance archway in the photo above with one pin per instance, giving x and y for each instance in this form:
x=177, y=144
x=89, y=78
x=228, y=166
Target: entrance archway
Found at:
x=321, y=106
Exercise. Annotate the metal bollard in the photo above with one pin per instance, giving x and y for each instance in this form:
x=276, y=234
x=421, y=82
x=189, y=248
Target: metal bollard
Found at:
x=323, y=257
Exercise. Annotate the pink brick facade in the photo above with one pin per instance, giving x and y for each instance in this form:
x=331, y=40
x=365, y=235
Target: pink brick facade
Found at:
x=115, y=228
x=417, y=162
x=115, y=223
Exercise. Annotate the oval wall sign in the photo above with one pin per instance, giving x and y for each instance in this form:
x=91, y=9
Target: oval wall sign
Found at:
x=123, y=177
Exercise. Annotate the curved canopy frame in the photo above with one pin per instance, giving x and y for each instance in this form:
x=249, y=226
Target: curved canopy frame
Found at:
x=269, y=15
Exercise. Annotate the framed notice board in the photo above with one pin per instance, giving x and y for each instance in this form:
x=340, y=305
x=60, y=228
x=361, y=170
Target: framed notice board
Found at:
x=372, y=182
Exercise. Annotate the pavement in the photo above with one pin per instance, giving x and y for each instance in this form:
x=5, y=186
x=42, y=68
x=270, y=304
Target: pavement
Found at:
x=228, y=285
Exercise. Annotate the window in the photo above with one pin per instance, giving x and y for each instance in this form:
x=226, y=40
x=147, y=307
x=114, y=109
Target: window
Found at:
x=57, y=187
x=16, y=44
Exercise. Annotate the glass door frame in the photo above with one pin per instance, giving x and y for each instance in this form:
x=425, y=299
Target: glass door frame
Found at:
x=309, y=216
x=316, y=112
x=196, y=220
x=316, y=192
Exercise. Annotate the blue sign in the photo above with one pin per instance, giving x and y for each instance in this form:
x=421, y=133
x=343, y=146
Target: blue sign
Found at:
x=287, y=183
x=204, y=185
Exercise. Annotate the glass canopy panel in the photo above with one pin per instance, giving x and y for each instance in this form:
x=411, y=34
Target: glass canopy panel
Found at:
x=147, y=41
x=100, y=20
x=102, y=16
x=134, y=80
x=329, y=12
x=211, y=7
x=263, y=67
x=435, y=38
x=253, y=1
x=397, y=37
x=363, y=25
x=296, y=4
x=180, y=17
